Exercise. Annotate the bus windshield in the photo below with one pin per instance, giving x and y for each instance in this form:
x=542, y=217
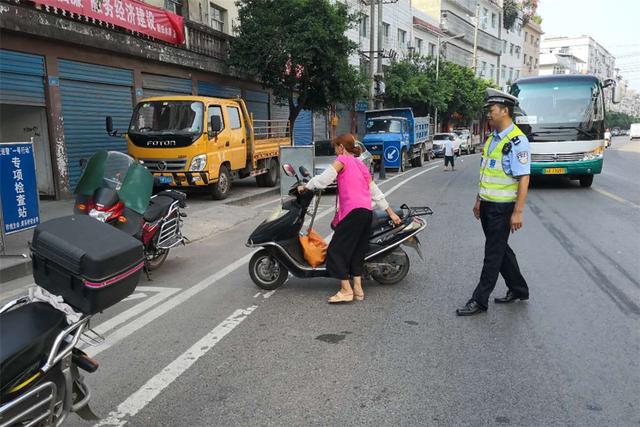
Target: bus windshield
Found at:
x=168, y=117
x=553, y=103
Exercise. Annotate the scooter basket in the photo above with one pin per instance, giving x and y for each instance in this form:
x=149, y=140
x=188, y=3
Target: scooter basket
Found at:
x=90, y=264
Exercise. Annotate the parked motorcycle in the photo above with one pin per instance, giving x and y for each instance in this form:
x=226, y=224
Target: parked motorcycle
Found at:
x=115, y=189
x=91, y=266
x=386, y=261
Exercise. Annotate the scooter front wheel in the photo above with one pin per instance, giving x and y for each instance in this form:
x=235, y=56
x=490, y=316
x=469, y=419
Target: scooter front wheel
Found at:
x=266, y=271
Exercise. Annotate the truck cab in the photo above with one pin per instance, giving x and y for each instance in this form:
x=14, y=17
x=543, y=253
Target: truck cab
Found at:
x=192, y=141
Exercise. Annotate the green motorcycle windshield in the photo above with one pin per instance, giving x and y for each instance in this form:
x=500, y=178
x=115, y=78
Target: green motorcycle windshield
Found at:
x=136, y=188
x=92, y=175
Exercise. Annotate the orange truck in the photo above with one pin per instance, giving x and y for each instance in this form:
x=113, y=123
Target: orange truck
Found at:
x=197, y=141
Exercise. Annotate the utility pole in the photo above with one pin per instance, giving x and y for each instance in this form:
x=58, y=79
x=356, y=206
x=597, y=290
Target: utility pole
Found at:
x=372, y=48
x=475, y=39
x=380, y=30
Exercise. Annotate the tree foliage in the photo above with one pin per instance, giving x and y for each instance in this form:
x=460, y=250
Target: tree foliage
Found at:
x=412, y=83
x=620, y=120
x=299, y=50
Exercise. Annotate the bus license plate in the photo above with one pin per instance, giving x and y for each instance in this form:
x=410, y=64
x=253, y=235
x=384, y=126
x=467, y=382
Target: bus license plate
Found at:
x=165, y=180
x=555, y=171
x=376, y=157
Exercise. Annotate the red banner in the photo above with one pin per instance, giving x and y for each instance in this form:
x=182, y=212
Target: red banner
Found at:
x=130, y=14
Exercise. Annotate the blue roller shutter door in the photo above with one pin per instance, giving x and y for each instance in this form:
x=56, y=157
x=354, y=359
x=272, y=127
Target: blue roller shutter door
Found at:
x=157, y=85
x=89, y=94
x=257, y=104
x=217, y=90
x=303, y=128
x=21, y=78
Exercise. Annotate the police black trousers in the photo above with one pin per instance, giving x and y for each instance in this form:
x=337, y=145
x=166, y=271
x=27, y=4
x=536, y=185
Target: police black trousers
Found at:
x=499, y=258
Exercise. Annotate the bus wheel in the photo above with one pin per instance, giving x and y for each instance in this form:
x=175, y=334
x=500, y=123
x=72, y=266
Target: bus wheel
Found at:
x=586, y=180
x=220, y=189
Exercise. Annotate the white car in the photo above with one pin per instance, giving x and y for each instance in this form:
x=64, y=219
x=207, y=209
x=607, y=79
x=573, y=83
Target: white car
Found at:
x=466, y=145
x=634, y=131
x=438, y=143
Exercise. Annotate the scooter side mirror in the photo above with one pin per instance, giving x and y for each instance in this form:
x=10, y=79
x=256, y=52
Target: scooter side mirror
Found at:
x=289, y=170
x=304, y=172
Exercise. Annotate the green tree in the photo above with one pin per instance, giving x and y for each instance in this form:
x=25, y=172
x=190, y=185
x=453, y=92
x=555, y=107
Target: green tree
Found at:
x=620, y=120
x=299, y=50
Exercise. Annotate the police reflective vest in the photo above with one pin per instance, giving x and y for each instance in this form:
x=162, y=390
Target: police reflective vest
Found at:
x=495, y=185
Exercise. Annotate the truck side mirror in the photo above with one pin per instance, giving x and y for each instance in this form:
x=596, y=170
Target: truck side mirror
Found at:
x=215, y=124
x=109, y=126
x=616, y=95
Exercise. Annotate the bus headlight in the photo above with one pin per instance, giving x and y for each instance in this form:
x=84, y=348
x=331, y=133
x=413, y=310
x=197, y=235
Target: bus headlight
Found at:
x=595, y=154
x=198, y=163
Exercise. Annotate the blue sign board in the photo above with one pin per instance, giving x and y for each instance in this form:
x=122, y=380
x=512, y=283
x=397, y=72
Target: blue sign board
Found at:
x=391, y=155
x=18, y=187
x=362, y=106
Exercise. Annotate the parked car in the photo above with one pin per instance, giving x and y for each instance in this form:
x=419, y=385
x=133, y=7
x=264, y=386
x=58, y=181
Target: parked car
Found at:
x=325, y=155
x=438, y=143
x=634, y=131
x=466, y=143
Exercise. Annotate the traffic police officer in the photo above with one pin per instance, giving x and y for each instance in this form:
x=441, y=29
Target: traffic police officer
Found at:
x=503, y=187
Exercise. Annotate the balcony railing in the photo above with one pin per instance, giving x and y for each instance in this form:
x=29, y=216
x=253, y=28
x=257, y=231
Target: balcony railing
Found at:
x=453, y=24
x=206, y=41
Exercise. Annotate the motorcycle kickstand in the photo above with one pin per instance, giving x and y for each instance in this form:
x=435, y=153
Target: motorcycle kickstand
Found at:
x=147, y=272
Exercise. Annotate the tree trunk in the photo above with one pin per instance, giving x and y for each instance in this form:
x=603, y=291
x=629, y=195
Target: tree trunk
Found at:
x=294, y=110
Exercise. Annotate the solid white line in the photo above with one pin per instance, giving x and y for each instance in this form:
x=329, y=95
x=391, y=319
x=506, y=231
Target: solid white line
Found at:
x=268, y=294
x=135, y=296
x=400, y=184
x=152, y=388
x=615, y=197
x=163, y=308
x=266, y=203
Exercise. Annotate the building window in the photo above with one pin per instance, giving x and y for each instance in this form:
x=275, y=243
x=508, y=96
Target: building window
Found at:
x=402, y=38
x=174, y=6
x=511, y=74
x=364, y=26
x=517, y=74
x=503, y=72
x=518, y=52
x=524, y=59
x=432, y=49
x=385, y=32
x=492, y=72
x=494, y=20
x=536, y=66
x=526, y=36
x=418, y=46
x=216, y=15
x=504, y=46
x=511, y=49
x=519, y=30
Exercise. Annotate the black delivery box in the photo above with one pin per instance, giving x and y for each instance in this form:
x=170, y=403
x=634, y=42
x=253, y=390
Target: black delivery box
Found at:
x=92, y=265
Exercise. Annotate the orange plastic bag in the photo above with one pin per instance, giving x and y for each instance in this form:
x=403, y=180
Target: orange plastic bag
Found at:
x=314, y=248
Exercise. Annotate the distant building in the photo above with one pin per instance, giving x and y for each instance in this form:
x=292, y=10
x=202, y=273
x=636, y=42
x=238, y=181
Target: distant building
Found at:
x=531, y=49
x=559, y=63
x=595, y=58
x=630, y=102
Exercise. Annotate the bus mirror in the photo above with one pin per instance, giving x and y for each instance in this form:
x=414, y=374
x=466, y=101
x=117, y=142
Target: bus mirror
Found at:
x=616, y=96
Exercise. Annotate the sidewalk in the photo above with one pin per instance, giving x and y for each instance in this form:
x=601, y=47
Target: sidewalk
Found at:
x=205, y=218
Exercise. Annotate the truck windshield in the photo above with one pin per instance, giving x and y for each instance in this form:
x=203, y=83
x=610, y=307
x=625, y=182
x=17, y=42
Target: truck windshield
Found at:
x=384, y=126
x=168, y=117
x=557, y=103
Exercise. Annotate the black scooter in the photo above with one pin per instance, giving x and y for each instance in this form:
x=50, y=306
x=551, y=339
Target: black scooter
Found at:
x=386, y=261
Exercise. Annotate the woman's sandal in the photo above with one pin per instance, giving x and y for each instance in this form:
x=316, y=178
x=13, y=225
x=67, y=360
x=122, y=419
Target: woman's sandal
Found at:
x=358, y=297
x=340, y=297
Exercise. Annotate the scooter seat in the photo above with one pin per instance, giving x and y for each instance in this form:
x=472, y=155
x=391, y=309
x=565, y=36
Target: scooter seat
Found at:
x=26, y=335
x=175, y=195
x=380, y=217
x=157, y=208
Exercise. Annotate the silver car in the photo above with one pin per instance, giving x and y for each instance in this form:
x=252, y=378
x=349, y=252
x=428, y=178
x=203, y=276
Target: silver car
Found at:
x=325, y=156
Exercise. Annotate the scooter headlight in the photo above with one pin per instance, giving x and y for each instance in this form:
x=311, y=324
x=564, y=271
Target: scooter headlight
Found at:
x=198, y=163
x=99, y=215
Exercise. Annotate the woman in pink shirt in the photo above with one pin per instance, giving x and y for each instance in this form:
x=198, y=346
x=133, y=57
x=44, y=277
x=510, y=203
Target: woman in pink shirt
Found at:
x=356, y=190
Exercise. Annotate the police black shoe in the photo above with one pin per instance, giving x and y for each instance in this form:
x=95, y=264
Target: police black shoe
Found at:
x=510, y=297
x=470, y=309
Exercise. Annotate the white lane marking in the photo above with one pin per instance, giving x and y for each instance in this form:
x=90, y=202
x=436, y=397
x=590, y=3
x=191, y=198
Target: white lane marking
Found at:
x=135, y=296
x=152, y=388
x=400, y=184
x=268, y=294
x=266, y=203
x=615, y=197
x=257, y=295
x=163, y=308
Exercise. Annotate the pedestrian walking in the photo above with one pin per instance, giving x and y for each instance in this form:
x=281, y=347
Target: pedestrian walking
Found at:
x=352, y=223
x=449, y=154
x=607, y=138
x=503, y=186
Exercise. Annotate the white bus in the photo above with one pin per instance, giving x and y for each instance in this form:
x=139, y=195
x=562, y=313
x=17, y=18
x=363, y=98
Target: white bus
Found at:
x=564, y=118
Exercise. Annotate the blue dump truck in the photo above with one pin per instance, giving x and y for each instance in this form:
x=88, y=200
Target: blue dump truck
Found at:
x=400, y=137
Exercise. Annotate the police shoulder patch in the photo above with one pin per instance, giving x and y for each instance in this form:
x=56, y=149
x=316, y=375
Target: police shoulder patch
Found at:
x=515, y=140
x=506, y=148
x=523, y=157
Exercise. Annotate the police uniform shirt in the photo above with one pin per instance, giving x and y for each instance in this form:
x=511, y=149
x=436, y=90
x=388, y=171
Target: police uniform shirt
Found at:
x=518, y=161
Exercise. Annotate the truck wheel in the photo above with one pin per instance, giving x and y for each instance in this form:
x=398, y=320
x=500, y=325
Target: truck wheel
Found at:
x=403, y=161
x=220, y=189
x=418, y=162
x=586, y=180
x=272, y=177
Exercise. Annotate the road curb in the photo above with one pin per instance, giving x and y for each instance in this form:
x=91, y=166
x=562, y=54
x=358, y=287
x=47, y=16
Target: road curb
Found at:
x=251, y=197
x=16, y=271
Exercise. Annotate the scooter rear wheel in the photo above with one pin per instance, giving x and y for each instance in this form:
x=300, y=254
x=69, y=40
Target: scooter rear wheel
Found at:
x=266, y=272
x=155, y=260
x=397, y=270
